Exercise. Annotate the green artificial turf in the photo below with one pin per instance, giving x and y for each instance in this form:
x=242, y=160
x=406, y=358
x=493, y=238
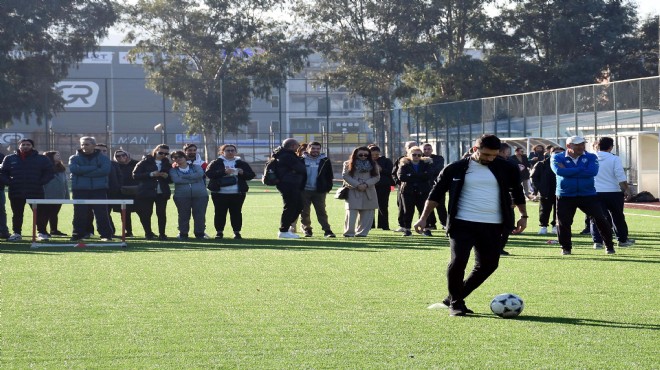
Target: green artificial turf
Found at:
x=324, y=303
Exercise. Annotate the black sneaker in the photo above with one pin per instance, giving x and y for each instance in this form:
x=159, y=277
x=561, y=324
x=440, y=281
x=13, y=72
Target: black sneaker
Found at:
x=504, y=253
x=459, y=310
x=565, y=252
x=162, y=237
x=427, y=232
x=150, y=236
x=308, y=233
x=219, y=236
x=407, y=233
x=237, y=236
x=75, y=238
x=329, y=234
x=610, y=251
x=585, y=232
x=58, y=233
x=447, y=303
x=129, y=235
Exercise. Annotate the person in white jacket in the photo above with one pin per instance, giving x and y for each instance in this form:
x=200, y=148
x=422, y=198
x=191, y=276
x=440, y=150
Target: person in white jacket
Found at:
x=611, y=189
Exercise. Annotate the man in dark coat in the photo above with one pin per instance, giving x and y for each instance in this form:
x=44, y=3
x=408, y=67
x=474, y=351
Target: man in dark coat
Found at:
x=25, y=173
x=383, y=187
x=438, y=165
x=545, y=182
x=4, y=231
x=292, y=174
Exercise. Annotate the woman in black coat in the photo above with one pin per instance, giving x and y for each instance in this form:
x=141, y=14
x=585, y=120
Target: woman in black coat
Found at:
x=228, y=196
x=414, y=174
x=152, y=173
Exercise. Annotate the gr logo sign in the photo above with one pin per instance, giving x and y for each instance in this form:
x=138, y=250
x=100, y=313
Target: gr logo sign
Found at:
x=78, y=94
x=11, y=137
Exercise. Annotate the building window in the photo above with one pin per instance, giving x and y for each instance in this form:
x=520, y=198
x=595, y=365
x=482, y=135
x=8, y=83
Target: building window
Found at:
x=352, y=103
x=275, y=101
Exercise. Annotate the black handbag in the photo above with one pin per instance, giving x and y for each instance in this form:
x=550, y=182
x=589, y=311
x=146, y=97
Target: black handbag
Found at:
x=342, y=193
x=129, y=189
x=228, y=181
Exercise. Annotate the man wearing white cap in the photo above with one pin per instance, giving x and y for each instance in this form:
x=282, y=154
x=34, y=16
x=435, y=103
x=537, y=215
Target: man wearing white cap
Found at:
x=576, y=170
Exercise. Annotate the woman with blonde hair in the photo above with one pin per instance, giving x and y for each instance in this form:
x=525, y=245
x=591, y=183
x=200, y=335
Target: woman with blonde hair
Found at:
x=415, y=173
x=360, y=174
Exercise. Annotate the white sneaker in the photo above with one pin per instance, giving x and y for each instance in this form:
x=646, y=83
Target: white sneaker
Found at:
x=42, y=237
x=598, y=245
x=400, y=230
x=287, y=235
x=543, y=230
x=292, y=229
x=14, y=237
x=627, y=243
x=554, y=229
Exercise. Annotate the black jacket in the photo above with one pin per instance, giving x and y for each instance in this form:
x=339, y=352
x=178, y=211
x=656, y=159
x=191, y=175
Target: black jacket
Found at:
x=438, y=165
x=544, y=179
x=451, y=180
x=291, y=170
x=216, y=170
x=324, y=176
x=114, y=181
x=386, y=167
x=147, y=184
x=26, y=177
x=523, y=166
x=126, y=173
x=415, y=182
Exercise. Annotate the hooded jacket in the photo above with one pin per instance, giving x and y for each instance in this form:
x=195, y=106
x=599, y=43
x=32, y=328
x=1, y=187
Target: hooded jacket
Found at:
x=610, y=173
x=216, y=170
x=324, y=175
x=575, y=179
x=190, y=184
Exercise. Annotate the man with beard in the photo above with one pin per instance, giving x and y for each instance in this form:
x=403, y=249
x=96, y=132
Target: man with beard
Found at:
x=471, y=183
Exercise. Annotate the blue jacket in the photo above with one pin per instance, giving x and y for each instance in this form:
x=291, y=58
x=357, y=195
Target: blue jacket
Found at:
x=575, y=179
x=89, y=171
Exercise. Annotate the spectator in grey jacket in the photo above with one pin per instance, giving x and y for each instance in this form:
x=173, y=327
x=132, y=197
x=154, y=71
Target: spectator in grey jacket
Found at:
x=89, y=180
x=57, y=188
x=190, y=195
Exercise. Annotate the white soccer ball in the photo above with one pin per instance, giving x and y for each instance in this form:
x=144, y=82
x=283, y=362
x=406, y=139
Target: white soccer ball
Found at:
x=507, y=305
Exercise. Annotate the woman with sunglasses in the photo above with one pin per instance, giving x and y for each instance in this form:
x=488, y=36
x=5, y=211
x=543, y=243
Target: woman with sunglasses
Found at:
x=415, y=174
x=360, y=174
x=228, y=176
x=128, y=185
x=152, y=172
x=190, y=195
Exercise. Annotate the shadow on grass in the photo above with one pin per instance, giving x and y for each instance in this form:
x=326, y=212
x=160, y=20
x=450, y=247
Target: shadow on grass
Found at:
x=572, y=321
x=601, y=257
x=588, y=322
x=369, y=244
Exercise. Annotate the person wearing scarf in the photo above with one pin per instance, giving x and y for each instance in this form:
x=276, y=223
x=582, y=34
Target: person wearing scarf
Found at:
x=360, y=174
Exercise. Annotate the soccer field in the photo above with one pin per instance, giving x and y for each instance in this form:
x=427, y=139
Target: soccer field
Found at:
x=324, y=303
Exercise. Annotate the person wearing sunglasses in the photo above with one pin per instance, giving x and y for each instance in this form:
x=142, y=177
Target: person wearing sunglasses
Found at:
x=360, y=174
x=228, y=181
x=128, y=184
x=415, y=172
x=152, y=173
x=190, y=195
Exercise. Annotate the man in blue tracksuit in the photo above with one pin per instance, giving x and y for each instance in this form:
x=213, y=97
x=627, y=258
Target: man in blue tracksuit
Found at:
x=576, y=170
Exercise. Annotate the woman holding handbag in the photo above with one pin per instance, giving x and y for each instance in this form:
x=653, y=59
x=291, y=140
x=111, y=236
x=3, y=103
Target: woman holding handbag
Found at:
x=360, y=174
x=152, y=172
x=228, y=176
x=190, y=195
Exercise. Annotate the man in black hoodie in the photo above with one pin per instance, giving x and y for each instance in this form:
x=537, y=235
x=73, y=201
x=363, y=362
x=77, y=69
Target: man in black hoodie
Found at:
x=292, y=174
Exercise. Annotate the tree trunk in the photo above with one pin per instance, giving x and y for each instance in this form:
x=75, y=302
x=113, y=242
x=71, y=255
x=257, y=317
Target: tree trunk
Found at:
x=210, y=146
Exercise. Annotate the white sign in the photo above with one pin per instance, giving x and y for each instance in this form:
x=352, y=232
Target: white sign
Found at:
x=99, y=57
x=10, y=137
x=78, y=94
